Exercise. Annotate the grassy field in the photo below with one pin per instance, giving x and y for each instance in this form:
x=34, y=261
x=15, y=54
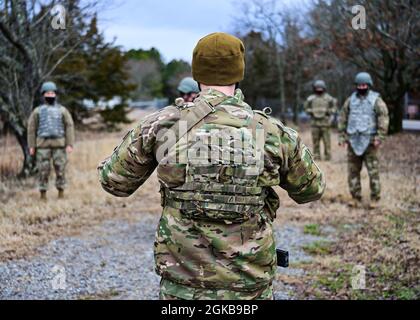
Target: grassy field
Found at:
x=385, y=240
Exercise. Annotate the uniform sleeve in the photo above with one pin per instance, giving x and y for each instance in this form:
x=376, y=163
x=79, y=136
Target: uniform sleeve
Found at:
x=300, y=176
x=69, y=125
x=382, y=119
x=32, y=128
x=307, y=108
x=342, y=121
x=128, y=167
x=333, y=106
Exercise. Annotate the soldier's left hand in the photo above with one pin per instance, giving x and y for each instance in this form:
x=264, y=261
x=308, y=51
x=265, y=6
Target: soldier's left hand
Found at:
x=69, y=149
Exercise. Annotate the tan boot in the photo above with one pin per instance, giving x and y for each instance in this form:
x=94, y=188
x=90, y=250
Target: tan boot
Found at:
x=355, y=203
x=60, y=194
x=373, y=204
x=44, y=195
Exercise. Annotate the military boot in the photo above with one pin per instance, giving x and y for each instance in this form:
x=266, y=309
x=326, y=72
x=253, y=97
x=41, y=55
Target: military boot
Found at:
x=60, y=194
x=44, y=195
x=374, y=203
x=355, y=203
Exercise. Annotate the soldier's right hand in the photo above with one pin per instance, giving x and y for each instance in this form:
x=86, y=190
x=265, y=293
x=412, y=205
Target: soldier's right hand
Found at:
x=32, y=151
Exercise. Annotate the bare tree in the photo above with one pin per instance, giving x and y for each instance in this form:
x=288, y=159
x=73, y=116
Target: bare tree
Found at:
x=388, y=47
x=266, y=18
x=30, y=51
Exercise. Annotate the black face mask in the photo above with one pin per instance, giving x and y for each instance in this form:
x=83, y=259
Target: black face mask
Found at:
x=362, y=92
x=319, y=92
x=50, y=100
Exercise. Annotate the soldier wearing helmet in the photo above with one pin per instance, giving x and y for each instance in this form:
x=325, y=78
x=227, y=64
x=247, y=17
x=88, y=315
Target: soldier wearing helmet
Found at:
x=215, y=237
x=188, y=89
x=321, y=107
x=363, y=125
x=50, y=138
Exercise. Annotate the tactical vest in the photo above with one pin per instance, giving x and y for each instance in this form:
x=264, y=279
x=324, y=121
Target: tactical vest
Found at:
x=51, y=124
x=361, y=124
x=224, y=161
x=320, y=106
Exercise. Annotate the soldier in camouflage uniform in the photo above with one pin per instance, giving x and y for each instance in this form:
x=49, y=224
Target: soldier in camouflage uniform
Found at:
x=188, y=89
x=50, y=136
x=321, y=107
x=215, y=237
x=363, y=125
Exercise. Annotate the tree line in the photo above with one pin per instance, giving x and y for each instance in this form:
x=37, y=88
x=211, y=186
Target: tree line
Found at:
x=288, y=47
x=77, y=57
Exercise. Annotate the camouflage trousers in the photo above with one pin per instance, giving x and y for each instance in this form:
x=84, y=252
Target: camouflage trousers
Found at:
x=43, y=162
x=321, y=134
x=170, y=290
x=370, y=159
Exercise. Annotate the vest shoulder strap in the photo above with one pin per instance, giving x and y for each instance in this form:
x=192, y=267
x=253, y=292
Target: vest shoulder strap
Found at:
x=193, y=115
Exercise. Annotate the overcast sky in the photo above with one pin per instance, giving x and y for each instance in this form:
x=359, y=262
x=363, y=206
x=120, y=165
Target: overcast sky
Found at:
x=172, y=26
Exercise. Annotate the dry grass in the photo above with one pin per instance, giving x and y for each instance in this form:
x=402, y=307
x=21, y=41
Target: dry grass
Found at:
x=385, y=240
x=26, y=222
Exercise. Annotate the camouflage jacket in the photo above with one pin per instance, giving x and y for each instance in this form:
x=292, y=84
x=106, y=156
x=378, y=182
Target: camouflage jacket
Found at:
x=220, y=254
x=382, y=119
x=321, y=109
x=38, y=142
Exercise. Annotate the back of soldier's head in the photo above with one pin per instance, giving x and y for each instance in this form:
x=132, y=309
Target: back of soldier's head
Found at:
x=218, y=60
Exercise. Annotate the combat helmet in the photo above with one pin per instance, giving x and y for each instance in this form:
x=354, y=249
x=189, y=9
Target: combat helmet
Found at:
x=363, y=78
x=188, y=85
x=48, y=86
x=320, y=84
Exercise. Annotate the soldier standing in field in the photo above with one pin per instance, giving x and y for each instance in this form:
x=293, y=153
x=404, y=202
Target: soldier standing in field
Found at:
x=217, y=160
x=50, y=137
x=321, y=107
x=363, y=125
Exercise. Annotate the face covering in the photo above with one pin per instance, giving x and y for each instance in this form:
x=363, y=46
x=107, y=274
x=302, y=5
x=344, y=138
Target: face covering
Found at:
x=319, y=92
x=50, y=100
x=362, y=92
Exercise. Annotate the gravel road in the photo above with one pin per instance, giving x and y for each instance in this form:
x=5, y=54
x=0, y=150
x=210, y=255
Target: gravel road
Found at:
x=111, y=261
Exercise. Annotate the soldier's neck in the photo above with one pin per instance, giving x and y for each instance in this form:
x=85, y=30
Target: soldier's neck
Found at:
x=227, y=90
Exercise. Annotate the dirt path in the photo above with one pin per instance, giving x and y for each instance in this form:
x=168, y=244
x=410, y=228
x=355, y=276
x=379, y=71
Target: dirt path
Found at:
x=113, y=261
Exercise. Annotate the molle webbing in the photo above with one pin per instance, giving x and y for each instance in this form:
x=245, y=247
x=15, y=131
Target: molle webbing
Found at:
x=202, y=204
x=225, y=188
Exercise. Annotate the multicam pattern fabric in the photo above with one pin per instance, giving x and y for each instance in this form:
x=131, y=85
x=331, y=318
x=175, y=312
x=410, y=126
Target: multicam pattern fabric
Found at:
x=173, y=291
x=355, y=162
x=201, y=241
x=321, y=134
x=320, y=108
x=43, y=161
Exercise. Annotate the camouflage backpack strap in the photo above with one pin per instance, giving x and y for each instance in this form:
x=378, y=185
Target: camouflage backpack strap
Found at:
x=193, y=115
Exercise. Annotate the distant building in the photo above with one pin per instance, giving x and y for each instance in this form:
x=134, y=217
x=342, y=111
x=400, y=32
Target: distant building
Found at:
x=411, y=111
